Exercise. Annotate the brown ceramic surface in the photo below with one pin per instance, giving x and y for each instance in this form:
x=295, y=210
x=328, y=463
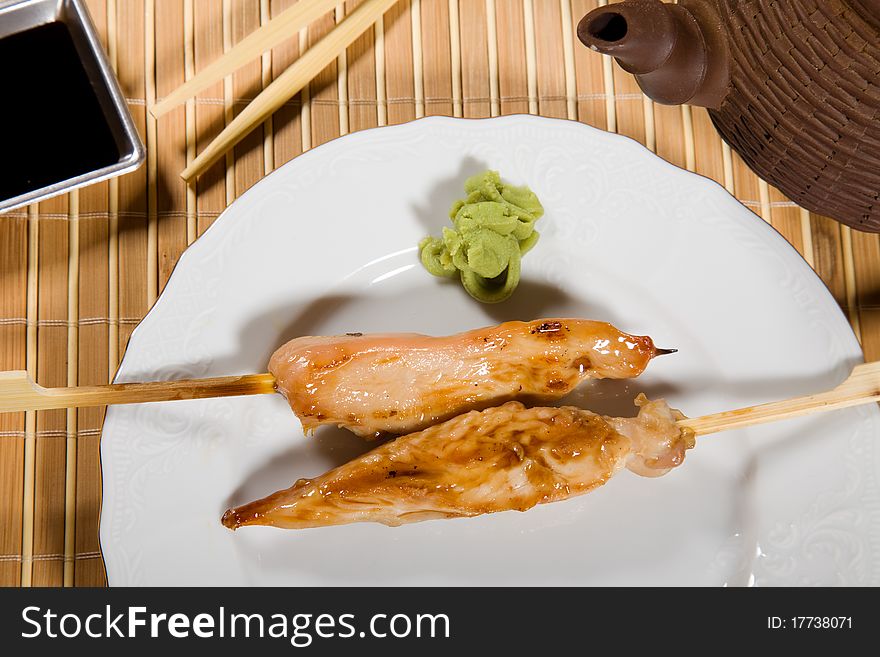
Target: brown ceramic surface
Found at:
x=792, y=85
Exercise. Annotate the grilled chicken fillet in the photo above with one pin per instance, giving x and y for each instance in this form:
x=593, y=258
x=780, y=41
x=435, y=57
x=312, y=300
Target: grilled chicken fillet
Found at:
x=498, y=459
x=400, y=383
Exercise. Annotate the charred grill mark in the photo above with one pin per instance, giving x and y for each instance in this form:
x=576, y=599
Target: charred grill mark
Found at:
x=354, y=335
x=398, y=473
x=336, y=362
x=582, y=363
x=549, y=329
x=384, y=415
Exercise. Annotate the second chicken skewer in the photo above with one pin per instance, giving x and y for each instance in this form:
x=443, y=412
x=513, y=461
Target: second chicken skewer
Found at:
x=505, y=458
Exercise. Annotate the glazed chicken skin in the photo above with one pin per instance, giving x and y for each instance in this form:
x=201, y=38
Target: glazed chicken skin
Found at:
x=400, y=383
x=502, y=458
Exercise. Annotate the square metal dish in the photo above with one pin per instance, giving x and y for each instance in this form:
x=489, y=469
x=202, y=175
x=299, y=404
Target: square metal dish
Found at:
x=20, y=15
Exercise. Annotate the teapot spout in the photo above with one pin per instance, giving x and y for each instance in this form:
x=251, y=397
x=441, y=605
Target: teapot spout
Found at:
x=676, y=52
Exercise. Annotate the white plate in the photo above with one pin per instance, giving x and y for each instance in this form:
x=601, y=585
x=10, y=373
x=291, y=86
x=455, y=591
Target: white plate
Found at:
x=326, y=244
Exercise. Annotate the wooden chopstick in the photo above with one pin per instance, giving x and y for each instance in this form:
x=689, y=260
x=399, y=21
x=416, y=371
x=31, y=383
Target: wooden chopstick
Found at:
x=289, y=83
x=861, y=387
x=18, y=392
x=284, y=26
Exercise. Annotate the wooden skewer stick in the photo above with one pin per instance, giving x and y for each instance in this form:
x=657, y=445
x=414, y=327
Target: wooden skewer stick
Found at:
x=18, y=392
x=285, y=25
x=289, y=83
x=861, y=387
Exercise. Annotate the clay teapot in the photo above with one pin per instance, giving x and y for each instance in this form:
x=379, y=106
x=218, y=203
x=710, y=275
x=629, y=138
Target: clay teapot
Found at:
x=792, y=85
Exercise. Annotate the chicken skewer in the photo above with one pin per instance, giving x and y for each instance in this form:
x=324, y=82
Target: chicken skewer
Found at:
x=501, y=458
x=512, y=458
x=400, y=383
x=562, y=351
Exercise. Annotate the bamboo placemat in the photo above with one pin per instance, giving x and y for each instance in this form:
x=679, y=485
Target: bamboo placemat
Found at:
x=79, y=272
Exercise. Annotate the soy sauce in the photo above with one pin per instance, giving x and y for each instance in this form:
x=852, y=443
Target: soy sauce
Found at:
x=52, y=127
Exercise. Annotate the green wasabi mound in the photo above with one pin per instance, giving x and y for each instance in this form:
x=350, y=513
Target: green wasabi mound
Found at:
x=492, y=229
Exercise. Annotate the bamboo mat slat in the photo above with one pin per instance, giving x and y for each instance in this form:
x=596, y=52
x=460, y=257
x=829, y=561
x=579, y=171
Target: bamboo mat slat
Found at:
x=13, y=351
x=550, y=60
x=265, y=80
x=228, y=102
x=189, y=69
x=247, y=82
x=399, y=79
x=78, y=272
x=828, y=256
x=629, y=105
x=669, y=131
x=589, y=76
x=786, y=218
x=171, y=131
x=472, y=29
x=709, y=154
x=89, y=366
x=361, y=80
x=323, y=90
x=132, y=233
x=513, y=84
x=47, y=524
x=286, y=122
x=866, y=256
x=210, y=120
